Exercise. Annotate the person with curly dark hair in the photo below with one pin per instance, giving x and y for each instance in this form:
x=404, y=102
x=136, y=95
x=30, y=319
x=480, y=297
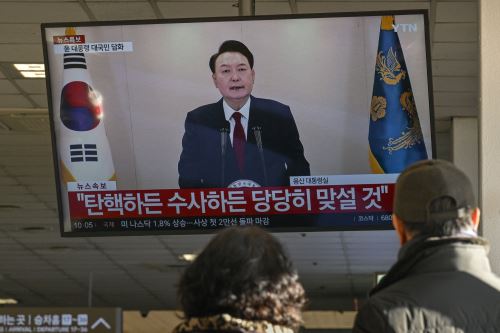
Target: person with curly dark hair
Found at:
x=242, y=282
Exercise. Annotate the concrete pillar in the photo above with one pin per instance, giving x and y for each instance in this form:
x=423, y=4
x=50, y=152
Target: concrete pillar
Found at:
x=489, y=125
x=465, y=148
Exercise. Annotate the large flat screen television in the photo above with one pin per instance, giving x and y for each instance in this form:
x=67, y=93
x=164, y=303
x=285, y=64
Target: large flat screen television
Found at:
x=296, y=122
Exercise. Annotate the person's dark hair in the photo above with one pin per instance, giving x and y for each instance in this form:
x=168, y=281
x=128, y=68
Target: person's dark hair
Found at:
x=245, y=273
x=231, y=46
x=440, y=228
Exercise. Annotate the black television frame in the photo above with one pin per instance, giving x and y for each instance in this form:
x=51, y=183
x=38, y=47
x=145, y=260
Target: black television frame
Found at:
x=57, y=170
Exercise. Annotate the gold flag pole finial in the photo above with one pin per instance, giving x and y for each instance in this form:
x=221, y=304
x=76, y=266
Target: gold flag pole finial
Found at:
x=387, y=23
x=70, y=31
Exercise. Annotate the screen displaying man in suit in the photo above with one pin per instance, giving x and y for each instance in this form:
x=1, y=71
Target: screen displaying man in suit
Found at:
x=241, y=139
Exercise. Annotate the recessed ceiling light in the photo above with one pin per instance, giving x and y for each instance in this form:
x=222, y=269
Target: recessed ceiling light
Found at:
x=188, y=257
x=4, y=301
x=32, y=71
x=33, y=75
x=30, y=67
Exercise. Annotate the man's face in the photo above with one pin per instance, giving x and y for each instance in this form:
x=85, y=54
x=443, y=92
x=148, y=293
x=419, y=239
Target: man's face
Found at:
x=234, y=78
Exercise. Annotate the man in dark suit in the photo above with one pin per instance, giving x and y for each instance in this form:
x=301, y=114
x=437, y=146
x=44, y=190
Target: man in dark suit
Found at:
x=241, y=140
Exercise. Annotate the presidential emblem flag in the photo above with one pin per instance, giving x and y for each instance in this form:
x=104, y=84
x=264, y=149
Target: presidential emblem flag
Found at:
x=395, y=136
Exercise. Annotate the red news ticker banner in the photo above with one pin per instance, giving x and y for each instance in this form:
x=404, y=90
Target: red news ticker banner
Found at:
x=232, y=202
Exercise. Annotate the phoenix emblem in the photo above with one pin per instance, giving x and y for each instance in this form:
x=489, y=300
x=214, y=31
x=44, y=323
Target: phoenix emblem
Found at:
x=389, y=67
x=413, y=135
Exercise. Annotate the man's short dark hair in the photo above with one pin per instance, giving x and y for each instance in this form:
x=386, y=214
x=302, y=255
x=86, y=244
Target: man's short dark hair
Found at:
x=244, y=272
x=231, y=46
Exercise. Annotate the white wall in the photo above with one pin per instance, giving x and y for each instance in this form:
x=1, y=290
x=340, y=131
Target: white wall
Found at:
x=489, y=125
x=465, y=150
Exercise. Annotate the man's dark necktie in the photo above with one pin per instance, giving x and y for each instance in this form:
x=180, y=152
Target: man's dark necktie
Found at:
x=239, y=142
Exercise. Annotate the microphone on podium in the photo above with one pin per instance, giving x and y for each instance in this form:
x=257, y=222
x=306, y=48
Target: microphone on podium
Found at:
x=224, y=131
x=257, y=132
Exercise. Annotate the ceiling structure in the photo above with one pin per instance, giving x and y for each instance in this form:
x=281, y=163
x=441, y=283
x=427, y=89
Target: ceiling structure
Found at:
x=39, y=268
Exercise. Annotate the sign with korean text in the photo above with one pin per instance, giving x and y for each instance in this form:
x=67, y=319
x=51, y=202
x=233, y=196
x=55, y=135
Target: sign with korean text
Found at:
x=61, y=320
x=104, y=47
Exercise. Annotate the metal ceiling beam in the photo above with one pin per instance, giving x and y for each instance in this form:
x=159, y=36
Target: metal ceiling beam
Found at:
x=293, y=6
x=246, y=7
x=37, y=111
x=156, y=9
x=87, y=10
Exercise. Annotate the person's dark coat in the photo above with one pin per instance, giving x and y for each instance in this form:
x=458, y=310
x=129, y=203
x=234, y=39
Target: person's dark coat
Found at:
x=437, y=285
x=201, y=162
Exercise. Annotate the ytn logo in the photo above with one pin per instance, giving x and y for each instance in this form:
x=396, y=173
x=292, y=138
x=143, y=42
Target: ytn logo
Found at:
x=405, y=27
